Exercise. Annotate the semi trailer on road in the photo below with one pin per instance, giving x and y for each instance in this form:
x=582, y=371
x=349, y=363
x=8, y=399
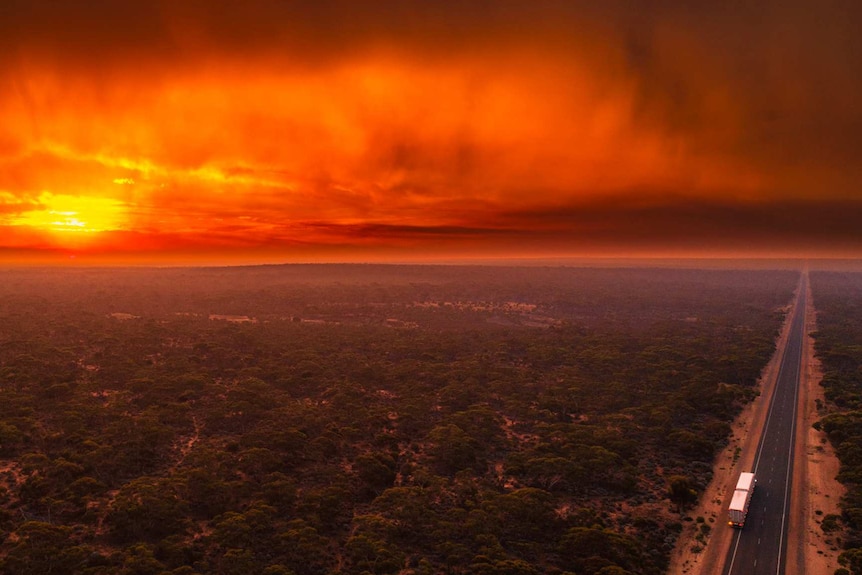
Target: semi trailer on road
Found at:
x=741, y=499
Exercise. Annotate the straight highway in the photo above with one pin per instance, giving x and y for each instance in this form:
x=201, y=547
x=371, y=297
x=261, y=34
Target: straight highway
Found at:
x=760, y=548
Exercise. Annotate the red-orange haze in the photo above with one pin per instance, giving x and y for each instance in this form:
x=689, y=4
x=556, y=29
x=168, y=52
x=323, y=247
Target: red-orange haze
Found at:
x=197, y=132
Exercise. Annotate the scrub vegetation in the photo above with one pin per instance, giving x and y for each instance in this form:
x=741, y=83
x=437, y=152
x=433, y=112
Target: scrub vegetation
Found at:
x=838, y=341
x=368, y=419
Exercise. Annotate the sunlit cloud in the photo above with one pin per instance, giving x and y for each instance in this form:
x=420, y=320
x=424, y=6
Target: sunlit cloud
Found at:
x=252, y=128
x=77, y=214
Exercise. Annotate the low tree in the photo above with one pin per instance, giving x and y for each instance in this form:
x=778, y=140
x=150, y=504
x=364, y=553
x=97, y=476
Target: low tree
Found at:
x=682, y=492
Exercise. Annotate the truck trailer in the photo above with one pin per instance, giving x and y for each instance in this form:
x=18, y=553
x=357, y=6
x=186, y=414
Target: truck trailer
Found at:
x=741, y=499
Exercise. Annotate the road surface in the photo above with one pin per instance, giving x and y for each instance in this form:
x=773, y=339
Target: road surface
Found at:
x=760, y=548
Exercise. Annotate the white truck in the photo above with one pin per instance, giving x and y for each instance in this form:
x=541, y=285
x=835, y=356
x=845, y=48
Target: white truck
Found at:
x=741, y=499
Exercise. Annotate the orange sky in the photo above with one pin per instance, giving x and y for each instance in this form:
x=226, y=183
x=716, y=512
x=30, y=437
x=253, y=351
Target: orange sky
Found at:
x=225, y=132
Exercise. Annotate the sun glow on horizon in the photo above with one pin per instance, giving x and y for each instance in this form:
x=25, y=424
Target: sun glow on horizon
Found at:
x=67, y=214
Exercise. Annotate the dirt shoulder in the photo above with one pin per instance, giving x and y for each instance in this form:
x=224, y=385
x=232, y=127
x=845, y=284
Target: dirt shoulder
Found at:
x=815, y=467
x=690, y=556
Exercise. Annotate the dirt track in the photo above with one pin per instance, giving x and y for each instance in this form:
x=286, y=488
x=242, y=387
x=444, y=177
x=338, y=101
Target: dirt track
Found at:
x=815, y=468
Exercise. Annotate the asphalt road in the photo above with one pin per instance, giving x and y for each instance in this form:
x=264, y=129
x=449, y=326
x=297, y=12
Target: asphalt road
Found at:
x=760, y=548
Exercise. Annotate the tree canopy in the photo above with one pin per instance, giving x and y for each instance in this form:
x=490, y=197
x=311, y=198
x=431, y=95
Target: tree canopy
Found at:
x=310, y=420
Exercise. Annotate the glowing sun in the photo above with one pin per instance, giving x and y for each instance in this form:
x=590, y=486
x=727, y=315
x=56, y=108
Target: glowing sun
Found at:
x=73, y=219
